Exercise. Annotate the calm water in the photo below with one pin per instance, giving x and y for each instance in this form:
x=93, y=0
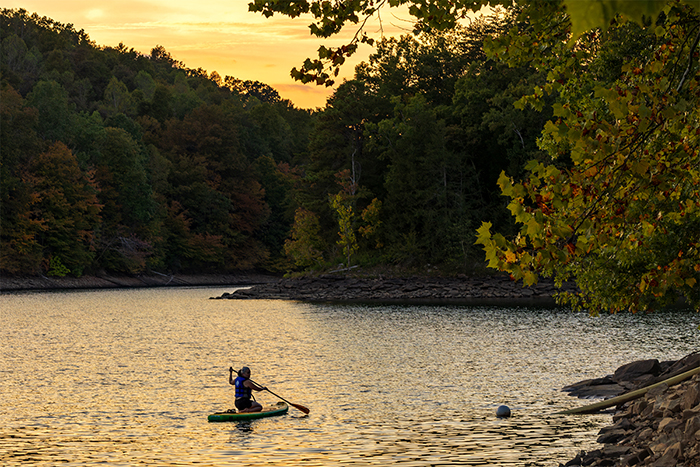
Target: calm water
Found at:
x=128, y=377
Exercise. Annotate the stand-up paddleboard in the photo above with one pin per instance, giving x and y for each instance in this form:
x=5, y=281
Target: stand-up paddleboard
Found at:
x=277, y=409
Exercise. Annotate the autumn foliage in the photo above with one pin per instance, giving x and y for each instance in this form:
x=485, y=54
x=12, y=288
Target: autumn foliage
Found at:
x=622, y=219
x=117, y=161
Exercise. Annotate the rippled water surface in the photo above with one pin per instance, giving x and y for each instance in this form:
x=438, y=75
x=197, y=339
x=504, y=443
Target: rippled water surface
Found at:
x=127, y=377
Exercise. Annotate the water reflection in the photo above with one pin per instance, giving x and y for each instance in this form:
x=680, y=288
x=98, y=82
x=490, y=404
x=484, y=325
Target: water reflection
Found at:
x=126, y=377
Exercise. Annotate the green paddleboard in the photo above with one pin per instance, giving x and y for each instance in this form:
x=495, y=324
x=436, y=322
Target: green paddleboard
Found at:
x=277, y=409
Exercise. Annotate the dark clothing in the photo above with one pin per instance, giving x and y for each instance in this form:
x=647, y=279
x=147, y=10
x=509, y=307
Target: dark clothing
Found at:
x=243, y=403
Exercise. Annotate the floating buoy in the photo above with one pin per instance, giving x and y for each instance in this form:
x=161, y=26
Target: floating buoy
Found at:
x=503, y=412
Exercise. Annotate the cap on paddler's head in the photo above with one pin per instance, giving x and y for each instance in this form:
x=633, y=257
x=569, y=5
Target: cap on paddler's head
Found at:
x=245, y=369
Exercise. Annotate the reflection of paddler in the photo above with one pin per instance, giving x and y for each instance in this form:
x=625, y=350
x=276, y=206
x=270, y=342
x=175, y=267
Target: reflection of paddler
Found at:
x=244, y=391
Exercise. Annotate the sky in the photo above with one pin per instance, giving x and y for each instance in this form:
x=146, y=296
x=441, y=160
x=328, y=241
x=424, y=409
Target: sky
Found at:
x=216, y=35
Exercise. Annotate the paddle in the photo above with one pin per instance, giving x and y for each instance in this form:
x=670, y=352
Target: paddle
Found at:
x=296, y=406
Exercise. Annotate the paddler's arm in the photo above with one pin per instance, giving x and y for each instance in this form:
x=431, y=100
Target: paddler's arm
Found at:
x=230, y=376
x=251, y=385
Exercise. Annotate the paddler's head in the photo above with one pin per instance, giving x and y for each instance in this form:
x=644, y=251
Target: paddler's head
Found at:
x=244, y=372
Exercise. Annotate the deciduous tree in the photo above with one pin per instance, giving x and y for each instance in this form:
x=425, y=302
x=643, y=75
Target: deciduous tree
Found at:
x=68, y=207
x=20, y=251
x=622, y=219
x=305, y=247
x=330, y=18
x=342, y=206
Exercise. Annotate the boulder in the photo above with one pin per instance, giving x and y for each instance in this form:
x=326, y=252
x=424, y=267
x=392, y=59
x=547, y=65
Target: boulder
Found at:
x=637, y=370
x=686, y=363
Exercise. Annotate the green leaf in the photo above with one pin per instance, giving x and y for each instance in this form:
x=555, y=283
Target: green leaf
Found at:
x=640, y=168
x=560, y=111
x=597, y=14
x=484, y=231
x=618, y=108
x=500, y=241
x=529, y=278
x=505, y=183
x=534, y=228
x=516, y=209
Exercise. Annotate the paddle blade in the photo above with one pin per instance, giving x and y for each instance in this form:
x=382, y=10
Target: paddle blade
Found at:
x=300, y=407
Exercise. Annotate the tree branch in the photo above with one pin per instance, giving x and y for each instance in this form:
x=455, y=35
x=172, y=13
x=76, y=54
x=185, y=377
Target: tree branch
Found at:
x=690, y=61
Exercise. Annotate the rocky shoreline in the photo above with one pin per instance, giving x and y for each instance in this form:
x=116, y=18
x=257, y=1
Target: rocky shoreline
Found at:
x=660, y=429
x=331, y=287
x=325, y=287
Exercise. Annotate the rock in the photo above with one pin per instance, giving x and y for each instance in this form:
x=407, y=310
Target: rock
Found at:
x=667, y=425
x=681, y=366
x=671, y=457
x=654, y=393
x=107, y=281
x=626, y=378
x=637, y=370
x=635, y=457
x=658, y=430
x=605, y=391
x=691, y=398
x=639, y=406
x=692, y=426
x=612, y=437
x=615, y=451
x=576, y=461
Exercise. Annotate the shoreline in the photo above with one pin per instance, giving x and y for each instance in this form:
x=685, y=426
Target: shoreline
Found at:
x=432, y=289
x=329, y=287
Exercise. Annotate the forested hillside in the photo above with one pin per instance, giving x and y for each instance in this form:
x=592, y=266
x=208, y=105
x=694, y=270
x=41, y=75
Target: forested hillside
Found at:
x=119, y=161
x=114, y=160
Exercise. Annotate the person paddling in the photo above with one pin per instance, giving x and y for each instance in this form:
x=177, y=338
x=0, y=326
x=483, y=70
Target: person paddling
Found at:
x=244, y=390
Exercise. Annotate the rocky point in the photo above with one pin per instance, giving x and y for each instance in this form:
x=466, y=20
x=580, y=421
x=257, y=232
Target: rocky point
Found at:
x=660, y=429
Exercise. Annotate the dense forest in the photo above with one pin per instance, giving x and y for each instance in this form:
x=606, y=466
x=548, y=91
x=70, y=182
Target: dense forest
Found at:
x=119, y=161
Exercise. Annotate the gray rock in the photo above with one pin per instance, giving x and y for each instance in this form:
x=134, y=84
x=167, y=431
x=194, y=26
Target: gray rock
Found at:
x=653, y=431
x=635, y=370
x=612, y=437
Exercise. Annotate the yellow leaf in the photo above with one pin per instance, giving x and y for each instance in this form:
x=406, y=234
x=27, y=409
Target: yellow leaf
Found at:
x=529, y=278
x=690, y=282
x=591, y=172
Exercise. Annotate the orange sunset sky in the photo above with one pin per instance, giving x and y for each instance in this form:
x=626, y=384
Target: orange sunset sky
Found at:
x=216, y=35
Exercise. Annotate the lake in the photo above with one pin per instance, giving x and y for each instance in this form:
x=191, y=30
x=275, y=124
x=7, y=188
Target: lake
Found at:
x=126, y=377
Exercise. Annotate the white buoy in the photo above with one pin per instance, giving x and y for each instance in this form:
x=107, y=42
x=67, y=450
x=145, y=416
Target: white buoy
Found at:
x=503, y=412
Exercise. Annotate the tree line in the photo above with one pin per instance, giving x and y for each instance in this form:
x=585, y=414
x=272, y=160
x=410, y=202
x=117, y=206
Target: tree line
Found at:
x=404, y=158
